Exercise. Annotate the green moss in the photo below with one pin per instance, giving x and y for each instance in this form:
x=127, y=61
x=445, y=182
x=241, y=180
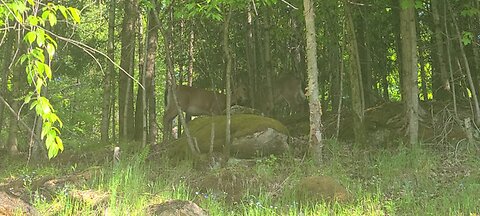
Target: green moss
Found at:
x=241, y=125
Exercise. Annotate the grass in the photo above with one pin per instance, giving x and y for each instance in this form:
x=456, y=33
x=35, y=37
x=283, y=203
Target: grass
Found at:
x=397, y=181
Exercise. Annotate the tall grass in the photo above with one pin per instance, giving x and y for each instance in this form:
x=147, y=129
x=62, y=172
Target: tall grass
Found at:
x=397, y=181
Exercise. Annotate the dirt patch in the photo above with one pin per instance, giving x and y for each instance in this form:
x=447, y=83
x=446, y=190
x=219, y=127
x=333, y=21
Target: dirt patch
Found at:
x=11, y=205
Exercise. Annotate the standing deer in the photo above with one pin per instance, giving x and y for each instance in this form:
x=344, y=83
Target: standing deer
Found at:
x=196, y=101
x=285, y=89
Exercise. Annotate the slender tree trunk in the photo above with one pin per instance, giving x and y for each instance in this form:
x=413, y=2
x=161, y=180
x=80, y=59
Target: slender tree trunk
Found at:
x=315, y=137
x=228, y=76
x=355, y=78
x=107, y=80
x=442, y=92
x=473, y=91
x=364, y=57
x=140, y=105
x=268, y=63
x=251, y=61
x=6, y=64
x=409, y=68
x=191, y=55
x=12, y=140
x=152, y=40
x=449, y=61
x=125, y=84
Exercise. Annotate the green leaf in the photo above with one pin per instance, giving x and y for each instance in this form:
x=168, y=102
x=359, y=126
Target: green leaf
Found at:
x=59, y=143
x=34, y=103
x=47, y=126
x=28, y=98
x=50, y=140
x=467, y=38
x=39, y=85
x=31, y=2
x=45, y=14
x=40, y=68
x=63, y=10
x=75, y=14
x=48, y=71
x=52, y=19
x=32, y=20
x=38, y=54
x=51, y=153
x=50, y=50
x=40, y=37
x=419, y=4
x=30, y=37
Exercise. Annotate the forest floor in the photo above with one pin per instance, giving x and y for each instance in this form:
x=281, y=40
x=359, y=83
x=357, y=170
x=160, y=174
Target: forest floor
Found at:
x=425, y=180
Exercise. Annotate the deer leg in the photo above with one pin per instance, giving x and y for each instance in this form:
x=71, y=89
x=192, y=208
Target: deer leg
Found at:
x=168, y=116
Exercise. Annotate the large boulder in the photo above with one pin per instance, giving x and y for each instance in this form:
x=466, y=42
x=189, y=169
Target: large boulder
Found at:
x=252, y=136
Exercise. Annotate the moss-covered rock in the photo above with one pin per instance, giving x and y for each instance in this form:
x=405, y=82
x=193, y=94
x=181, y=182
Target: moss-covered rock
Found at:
x=242, y=126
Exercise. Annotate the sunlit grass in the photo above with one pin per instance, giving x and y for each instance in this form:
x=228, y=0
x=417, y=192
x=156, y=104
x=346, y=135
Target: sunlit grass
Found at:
x=399, y=181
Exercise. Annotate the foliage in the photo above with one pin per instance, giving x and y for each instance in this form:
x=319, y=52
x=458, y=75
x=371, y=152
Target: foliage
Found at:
x=35, y=18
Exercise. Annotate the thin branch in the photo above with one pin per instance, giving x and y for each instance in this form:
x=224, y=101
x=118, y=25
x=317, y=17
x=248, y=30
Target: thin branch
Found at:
x=32, y=133
x=254, y=7
x=287, y=3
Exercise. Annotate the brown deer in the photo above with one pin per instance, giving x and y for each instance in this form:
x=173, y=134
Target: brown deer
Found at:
x=196, y=101
x=285, y=89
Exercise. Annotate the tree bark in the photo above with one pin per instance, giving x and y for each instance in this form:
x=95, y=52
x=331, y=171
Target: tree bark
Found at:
x=315, y=137
x=228, y=77
x=268, y=63
x=152, y=43
x=107, y=80
x=125, y=83
x=473, y=91
x=355, y=78
x=6, y=64
x=12, y=140
x=409, y=68
x=442, y=92
x=139, y=104
x=251, y=61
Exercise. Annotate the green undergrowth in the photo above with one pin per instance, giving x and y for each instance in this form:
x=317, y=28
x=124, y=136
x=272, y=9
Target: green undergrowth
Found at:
x=398, y=181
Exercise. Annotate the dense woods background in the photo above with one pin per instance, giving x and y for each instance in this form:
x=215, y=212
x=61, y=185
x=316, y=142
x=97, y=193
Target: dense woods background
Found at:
x=109, y=71
x=372, y=104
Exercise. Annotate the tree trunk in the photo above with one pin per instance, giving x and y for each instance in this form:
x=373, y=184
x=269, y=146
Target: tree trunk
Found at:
x=315, y=137
x=125, y=84
x=268, y=63
x=6, y=64
x=191, y=56
x=12, y=141
x=355, y=78
x=251, y=61
x=152, y=40
x=409, y=68
x=473, y=91
x=228, y=77
x=107, y=80
x=140, y=105
x=441, y=93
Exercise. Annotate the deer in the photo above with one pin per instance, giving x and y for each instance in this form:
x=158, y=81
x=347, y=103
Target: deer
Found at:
x=196, y=101
x=284, y=89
